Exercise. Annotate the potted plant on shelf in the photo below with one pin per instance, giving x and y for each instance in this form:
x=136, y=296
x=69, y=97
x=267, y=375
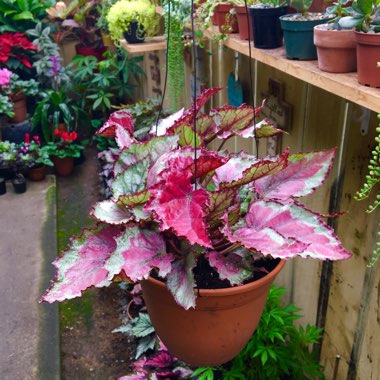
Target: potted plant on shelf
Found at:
x=17, y=90
x=244, y=22
x=62, y=151
x=298, y=30
x=133, y=20
x=184, y=219
x=37, y=159
x=267, y=32
x=336, y=47
x=366, y=21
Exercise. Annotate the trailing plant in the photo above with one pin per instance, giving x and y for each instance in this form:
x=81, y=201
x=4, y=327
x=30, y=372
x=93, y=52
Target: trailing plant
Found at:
x=169, y=211
x=124, y=12
x=179, y=17
x=371, y=181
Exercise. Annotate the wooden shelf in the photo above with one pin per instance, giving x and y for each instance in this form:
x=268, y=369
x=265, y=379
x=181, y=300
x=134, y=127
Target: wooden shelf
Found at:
x=344, y=85
x=150, y=44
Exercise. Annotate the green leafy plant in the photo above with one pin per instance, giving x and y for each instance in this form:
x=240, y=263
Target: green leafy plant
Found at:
x=103, y=9
x=339, y=9
x=63, y=145
x=364, y=16
x=302, y=6
x=34, y=155
x=19, y=16
x=124, y=12
x=372, y=179
x=277, y=350
x=6, y=106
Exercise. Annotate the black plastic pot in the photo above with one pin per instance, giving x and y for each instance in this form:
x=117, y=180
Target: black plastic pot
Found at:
x=3, y=186
x=6, y=173
x=267, y=32
x=19, y=184
x=135, y=34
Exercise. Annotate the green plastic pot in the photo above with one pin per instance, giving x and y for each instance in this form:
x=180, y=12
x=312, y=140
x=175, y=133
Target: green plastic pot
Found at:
x=299, y=37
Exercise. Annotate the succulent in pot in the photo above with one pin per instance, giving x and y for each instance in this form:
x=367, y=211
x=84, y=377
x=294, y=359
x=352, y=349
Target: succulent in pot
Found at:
x=179, y=209
x=133, y=20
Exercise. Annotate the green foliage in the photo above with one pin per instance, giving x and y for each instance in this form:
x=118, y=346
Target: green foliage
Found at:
x=364, y=16
x=6, y=106
x=371, y=180
x=53, y=149
x=21, y=15
x=302, y=6
x=105, y=83
x=103, y=9
x=123, y=12
x=278, y=349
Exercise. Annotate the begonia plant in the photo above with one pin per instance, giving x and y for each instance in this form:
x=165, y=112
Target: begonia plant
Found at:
x=175, y=201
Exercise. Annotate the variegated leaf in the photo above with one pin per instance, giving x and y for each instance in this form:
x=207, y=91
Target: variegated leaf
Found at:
x=181, y=283
x=122, y=119
x=82, y=264
x=132, y=200
x=303, y=174
x=137, y=252
x=110, y=212
x=220, y=201
x=286, y=231
x=264, y=128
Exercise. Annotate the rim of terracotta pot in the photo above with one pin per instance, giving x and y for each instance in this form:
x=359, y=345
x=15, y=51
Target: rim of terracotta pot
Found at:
x=367, y=38
x=327, y=38
x=235, y=289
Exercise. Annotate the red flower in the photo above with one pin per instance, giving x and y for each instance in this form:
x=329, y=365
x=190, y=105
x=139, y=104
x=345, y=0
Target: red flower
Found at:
x=15, y=45
x=57, y=132
x=72, y=136
x=27, y=138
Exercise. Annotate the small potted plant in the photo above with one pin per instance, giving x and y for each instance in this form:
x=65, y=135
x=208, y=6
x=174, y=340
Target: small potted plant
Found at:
x=133, y=20
x=298, y=30
x=267, y=32
x=244, y=22
x=17, y=90
x=8, y=153
x=182, y=216
x=365, y=18
x=336, y=47
x=38, y=159
x=62, y=151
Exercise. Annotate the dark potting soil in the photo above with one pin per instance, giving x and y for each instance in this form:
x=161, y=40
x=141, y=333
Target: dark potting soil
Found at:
x=207, y=277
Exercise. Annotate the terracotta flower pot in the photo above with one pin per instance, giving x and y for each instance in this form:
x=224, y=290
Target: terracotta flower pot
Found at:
x=19, y=107
x=63, y=166
x=37, y=173
x=244, y=25
x=336, y=49
x=368, y=54
x=225, y=18
x=217, y=329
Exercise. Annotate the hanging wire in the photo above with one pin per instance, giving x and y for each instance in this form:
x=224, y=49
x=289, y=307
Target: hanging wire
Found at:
x=166, y=68
x=194, y=90
x=250, y=75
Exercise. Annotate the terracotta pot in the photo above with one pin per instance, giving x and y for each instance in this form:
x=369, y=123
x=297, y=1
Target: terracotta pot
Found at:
x=37, y=173
x=62, y=127
x=19, y=107
x=368, y=54
x=86, y=51
x=336, y=49
x=225, y=18
x=245, y=29
x=217, y=329
x=63, y=166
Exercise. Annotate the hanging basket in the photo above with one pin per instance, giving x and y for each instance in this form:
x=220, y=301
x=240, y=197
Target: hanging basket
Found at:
x=217, y=329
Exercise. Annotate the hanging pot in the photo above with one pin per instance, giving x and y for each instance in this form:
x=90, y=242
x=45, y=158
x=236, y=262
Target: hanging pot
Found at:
x=298, y=35
x=3, y=186
x=19, y=184
x=336, y=49
x=135, y=34
x=19, y=107
x=86, y=51
x=225, y=19
x=37, y=173
x=245, y=29
x=368, y=54
x=63, y=166
x=217, y=329
x=267, y=32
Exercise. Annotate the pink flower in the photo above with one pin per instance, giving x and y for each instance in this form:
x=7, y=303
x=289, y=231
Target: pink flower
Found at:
x=5, y=77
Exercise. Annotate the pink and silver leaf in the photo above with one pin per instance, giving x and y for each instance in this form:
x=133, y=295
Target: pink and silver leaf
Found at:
x=82, y=264
x=181, y=283
x=122, y=119
x=137, y=252
x=180, y=207
x=111, y=212
x=303, y=174
x=264, y=128
x=123, y=138
x=231, y=266
x=160, y=359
